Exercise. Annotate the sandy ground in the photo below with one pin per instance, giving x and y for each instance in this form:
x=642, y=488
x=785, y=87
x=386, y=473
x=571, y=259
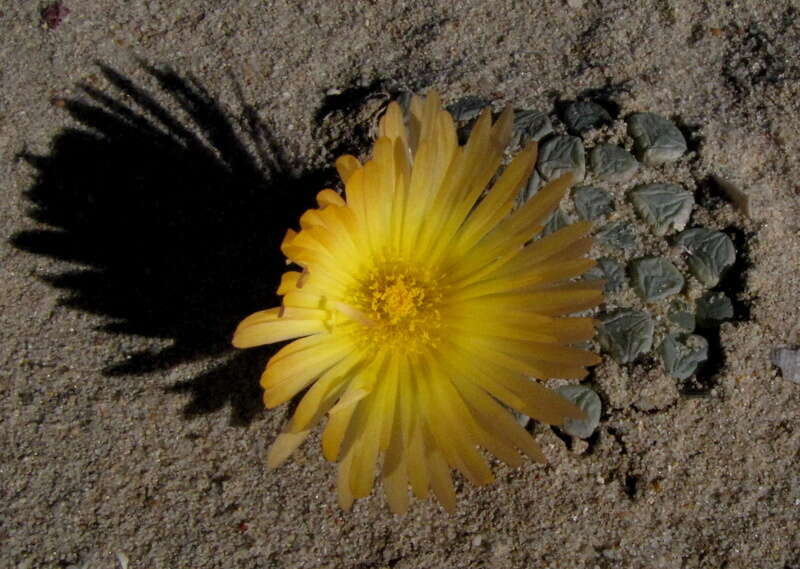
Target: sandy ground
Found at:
x=152, y=155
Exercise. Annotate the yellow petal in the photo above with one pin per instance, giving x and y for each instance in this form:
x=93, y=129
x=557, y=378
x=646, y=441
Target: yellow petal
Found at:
x=321, y=397
x=497, y=419
x=381, y=409
x=452, y=426
x=395, y=469
x=266, y=328
x=346, y=165
x=365, y=455
x=288, y=282
x=310, y=219
x=541, y=205
x=441, y=482
x=566, y=299
x=418, y=472
x=301, y=300
x=395, y=482
x=571, y=330
x=502, y=129
x=329, y=197
x=283, y=447
x=500, y=199
x=344, y=495
x=392, y=123
x=285, y=377
x=547, y=247
x=332, y=436
x=498, y=374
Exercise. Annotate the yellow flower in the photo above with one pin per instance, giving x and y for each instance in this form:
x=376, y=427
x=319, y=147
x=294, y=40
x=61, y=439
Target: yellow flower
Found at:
x=424, y=308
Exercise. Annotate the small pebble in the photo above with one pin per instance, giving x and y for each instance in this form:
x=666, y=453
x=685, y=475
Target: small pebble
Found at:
x=751, y=199
x=588, y=401
x=663, y=206
x=681, y=359
x=53, y=15
x=612, y=163
x=561, y=154
x=738, y=196
x=579, y=446
x=655, y=278
x=626, y=334
x=582, y=116
x=618, y=235
x=592, y=203
x=530, y=125
x=711, y=253
x=656, y=140
x=123, y=560
x=713, y=308
x=788, y=359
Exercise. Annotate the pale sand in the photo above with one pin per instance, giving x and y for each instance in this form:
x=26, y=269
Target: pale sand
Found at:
x=110, y=445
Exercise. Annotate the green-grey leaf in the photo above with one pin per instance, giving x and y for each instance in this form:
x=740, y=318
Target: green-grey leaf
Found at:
x=618, y=235
x=561, y=154
x=626, y=334
x=711, y=253
x=530, y=189
x=582, y=116
x=591, y=202
x=656, y=139
x=557, y=220
x=663, y=206
x=589, y=402
x=655, y=278
x=613, y=272
x=681, y=359
x=679, y=314
x=531, y=125
x=713, y=308
x=467, y=108
x=609, y=269
x=611, y=163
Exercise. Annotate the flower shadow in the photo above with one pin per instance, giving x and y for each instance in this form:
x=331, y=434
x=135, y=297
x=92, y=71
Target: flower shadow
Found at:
x=174, y=225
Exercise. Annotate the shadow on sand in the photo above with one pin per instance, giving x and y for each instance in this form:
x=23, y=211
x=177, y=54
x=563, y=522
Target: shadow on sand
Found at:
x=174, y=226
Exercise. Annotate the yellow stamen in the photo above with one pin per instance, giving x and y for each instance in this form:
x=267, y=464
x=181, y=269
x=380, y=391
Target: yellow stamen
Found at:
x=402, y=305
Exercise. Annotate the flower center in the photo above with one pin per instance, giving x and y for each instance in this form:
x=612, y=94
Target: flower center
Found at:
x=401, y=306
x=397, y=299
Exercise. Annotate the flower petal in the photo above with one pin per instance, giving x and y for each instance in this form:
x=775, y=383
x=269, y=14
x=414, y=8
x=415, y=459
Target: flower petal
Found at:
x=499, y=201
x=287, y=376
x=493, y=417
x=328, y=197
x=346, y=165
x=452, y=426
x=284, y=446
x=441, y=482
x=321, y=397
x=266, y=327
